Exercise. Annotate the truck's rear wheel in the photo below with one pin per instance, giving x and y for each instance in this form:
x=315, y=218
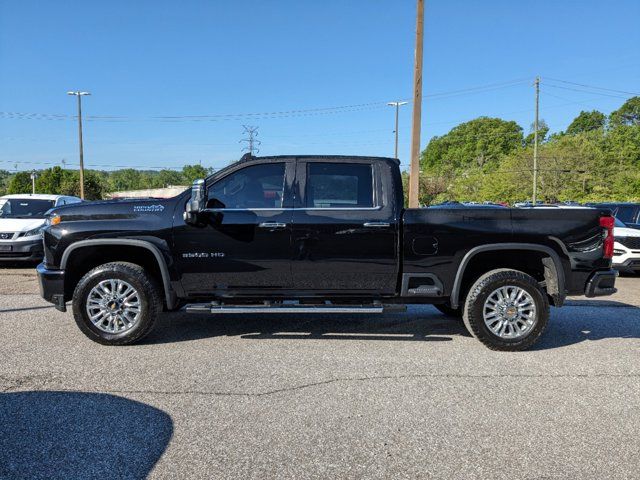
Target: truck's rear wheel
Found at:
x=506, y=310
x=116, y=303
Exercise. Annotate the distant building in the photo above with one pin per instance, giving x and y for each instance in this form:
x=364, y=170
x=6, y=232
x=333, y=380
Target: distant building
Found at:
x=167, y=192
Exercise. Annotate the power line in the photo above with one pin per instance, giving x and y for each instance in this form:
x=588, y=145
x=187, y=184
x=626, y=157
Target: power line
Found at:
x=574, y=102
x=592, y=86
x=272, y=114
x=142, y=167
x=584, y=91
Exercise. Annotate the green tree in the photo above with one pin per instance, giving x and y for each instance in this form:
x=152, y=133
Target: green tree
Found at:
x=126, y=179
x=194, y=172
x=94, y=187
x=587, y=121
x=5, y=177
x=627, y=114
x=20, y=183
x=622, y=146
x=543, y=130
x=480, y=142
x=165, y=178
x=50, y=180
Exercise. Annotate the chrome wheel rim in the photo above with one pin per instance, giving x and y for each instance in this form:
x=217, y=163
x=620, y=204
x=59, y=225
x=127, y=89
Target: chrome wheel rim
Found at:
x=113, y=306
x=510, y=312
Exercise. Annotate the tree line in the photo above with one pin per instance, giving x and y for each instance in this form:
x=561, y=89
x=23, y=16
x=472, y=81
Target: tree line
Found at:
x=98, y=183
x=597, y=158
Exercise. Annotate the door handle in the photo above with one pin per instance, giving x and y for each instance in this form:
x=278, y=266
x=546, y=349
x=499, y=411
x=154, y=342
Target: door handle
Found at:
x=272, y=225
x=376, y=224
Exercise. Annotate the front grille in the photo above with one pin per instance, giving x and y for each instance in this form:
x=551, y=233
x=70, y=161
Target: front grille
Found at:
x=6, y=235
x=632, y=243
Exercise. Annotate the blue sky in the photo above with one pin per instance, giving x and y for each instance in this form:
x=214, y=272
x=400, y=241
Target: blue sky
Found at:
x=147, y=59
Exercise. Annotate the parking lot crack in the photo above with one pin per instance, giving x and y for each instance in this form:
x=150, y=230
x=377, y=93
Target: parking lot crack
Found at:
x=19, y=385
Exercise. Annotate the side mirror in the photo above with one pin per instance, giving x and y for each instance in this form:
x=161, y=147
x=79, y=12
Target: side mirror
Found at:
x=198, y=201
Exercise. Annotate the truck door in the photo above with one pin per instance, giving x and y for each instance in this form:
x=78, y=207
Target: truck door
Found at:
x=245, y=244
x=345, y=229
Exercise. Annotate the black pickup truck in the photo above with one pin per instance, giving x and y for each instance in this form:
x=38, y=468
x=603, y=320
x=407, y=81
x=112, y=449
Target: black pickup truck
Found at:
x=309, y=234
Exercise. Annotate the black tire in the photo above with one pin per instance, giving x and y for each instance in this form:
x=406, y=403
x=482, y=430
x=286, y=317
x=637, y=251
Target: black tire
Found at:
x=149, y=296
x=473, y=312
x=449, y=311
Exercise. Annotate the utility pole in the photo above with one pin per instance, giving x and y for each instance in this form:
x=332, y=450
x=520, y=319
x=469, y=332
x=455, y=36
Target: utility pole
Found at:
x=251, y=140
x=535, y=143
x=414, y=170
x=34, y=175
x=397, y=105
x=80, y=95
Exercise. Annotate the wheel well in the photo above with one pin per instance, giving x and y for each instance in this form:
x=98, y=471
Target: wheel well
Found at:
x=84, y=259
x=527, y=261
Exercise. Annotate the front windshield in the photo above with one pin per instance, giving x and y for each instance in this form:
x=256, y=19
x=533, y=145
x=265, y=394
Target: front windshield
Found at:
x=24, y=207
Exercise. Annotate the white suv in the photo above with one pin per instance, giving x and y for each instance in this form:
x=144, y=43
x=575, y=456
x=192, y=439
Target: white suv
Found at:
x=22, y=218
x=626, y=249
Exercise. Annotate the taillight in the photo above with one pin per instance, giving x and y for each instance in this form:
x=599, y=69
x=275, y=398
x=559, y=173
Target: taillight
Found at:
x=609, y=240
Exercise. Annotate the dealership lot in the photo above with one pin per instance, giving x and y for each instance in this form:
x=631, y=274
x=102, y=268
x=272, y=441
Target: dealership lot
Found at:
x=406, y=395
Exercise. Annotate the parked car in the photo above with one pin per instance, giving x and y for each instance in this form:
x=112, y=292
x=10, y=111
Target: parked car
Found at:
x=628, y=213
x=626, y=250
x=466, y=205
x=528, y=204
x=320, y=234
x=22, y=218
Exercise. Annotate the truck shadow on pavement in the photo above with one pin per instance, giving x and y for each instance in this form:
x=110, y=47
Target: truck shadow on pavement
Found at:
x=580, y=321
x=427, y=326
x=77, y=435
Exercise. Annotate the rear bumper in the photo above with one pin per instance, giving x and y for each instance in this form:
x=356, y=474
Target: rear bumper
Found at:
x=21, y=251
x=601, y=283
x=51, y=284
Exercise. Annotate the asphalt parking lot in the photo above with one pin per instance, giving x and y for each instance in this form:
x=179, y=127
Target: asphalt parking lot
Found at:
x=406, y=395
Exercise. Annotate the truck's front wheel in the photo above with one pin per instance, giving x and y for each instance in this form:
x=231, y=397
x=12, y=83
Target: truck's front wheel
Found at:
x=116, y=303
x=506, y=310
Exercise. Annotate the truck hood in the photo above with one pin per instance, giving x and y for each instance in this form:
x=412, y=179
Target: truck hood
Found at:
x=115, y=209
x=20, y=224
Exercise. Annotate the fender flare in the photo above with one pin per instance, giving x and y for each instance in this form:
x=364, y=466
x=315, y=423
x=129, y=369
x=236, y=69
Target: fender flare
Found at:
x=170, y=296
x=558, y=271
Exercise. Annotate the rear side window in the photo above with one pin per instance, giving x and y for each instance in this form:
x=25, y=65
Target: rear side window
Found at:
x=339, y=185
x=626, y=214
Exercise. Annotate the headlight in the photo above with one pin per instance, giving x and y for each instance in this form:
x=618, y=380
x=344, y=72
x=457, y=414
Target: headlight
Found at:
x=34, y=232
x=53, y=219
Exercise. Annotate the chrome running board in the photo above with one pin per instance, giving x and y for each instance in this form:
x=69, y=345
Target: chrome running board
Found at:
x=292, y=308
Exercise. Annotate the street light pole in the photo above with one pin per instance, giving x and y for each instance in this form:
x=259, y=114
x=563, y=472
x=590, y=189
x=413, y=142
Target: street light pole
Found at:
x=397, y=105
x=33, y=182
x=80, y=95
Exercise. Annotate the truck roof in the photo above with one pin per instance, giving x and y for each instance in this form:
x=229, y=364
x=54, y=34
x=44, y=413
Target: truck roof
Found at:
x=247, y=157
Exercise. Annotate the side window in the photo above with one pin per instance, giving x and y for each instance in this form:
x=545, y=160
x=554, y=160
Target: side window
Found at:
x=257, y=186
x=625, y=214
x=339, y=185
